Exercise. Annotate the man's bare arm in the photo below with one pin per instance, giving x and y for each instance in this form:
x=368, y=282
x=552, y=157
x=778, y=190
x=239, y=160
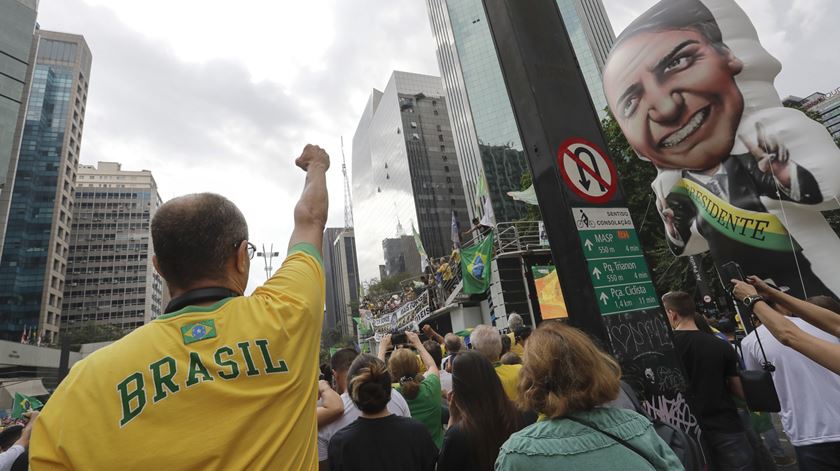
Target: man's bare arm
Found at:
x=311, y=209
x=817, y=316
x=735, y=386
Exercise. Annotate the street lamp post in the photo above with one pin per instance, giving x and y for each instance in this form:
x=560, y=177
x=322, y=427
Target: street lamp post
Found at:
x=268, y=257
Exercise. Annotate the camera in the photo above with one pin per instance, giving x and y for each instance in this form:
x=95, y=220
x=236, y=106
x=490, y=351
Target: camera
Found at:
x=398, y=337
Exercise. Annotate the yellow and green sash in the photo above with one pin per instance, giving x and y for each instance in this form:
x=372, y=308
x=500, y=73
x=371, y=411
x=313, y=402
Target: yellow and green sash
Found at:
x=756, y=229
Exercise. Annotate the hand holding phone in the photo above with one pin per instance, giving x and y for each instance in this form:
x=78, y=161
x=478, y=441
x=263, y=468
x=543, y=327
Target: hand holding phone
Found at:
x=731, y=271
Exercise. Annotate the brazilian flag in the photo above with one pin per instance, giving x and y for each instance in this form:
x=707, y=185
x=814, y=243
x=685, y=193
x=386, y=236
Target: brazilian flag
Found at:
x=197, y=331
x=24, y=404
x=475, y=265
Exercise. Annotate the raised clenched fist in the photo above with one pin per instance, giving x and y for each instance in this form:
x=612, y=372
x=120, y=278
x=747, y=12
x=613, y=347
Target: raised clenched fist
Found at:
x=313, y=155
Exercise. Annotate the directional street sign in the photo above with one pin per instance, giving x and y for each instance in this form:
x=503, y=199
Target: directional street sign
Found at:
x=614, y=258
x=587, y=170
x=616, y=270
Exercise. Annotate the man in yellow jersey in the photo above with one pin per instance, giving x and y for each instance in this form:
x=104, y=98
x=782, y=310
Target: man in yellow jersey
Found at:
x=221, y=381
x=515, y=323
x=488, y=341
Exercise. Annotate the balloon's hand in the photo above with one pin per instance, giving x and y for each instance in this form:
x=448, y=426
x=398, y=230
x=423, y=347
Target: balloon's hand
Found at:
x=771, y=154
x=667, y=215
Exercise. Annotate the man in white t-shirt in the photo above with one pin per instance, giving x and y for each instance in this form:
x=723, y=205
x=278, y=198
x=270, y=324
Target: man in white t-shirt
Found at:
x=807, y=392
x=340, y=364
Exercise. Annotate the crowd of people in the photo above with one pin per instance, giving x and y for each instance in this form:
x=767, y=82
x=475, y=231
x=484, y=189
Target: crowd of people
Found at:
x=228, y=381
x=796, y=343
x=488, y=417
x=440, y=278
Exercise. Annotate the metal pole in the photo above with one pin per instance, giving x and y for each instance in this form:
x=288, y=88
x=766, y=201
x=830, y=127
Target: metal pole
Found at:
x=268, y=258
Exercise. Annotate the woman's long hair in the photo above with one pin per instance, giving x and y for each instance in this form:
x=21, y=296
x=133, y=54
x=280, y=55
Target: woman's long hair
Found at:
x=564, y=371
x=481, y=409
x=405, y=369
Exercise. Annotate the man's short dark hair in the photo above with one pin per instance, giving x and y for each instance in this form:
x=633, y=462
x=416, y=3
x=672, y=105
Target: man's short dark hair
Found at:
x=522, y=333
x=341, y=360
x=433, y=348
x=679, y=302
x=669, y=15
x=195, y=235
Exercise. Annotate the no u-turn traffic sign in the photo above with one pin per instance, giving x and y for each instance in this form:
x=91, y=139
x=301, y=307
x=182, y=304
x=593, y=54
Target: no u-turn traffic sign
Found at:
x=587, y=170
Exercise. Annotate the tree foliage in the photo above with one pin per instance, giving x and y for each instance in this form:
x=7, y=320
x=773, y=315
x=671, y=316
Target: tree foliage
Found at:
x=532, y=213
x=387, y=285
x=91, y=332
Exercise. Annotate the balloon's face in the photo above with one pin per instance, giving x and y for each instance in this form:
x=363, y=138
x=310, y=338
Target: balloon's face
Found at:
x=674, y=95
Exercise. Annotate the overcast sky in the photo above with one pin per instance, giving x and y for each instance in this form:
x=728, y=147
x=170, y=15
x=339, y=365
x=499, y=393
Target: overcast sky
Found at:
x=221, y=96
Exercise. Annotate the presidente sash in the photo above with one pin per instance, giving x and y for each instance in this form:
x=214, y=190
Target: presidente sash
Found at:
x=756, y=229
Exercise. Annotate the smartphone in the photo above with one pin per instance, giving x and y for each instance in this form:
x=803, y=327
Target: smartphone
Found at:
x=398, y=338
x=731, y=271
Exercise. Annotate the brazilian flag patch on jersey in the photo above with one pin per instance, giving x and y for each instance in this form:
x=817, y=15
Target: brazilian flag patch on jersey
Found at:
x=197, y=331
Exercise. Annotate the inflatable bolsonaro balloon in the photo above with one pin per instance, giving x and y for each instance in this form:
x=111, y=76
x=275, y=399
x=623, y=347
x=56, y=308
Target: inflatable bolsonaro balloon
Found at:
x=739, y=175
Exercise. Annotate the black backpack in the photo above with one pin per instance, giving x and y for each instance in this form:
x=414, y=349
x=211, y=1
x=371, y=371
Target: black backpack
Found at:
x=683, y=445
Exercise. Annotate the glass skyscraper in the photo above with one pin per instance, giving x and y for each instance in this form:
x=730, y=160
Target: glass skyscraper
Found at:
x=405, y=170
x=486, y=134
x=17, y=22
x=36, y=247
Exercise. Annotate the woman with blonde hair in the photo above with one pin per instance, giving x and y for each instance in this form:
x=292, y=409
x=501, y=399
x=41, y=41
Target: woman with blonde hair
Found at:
x=421, y=393
x=566, y=378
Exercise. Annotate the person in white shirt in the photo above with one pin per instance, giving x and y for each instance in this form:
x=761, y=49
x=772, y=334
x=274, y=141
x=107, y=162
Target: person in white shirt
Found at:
x=807, y=392
x=340, y=364
x=453, y=344
x=8, y=457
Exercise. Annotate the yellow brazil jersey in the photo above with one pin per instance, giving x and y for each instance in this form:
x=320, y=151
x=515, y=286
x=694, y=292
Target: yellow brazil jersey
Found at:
x=516, y=348
x=509, y=376
x=223, y=387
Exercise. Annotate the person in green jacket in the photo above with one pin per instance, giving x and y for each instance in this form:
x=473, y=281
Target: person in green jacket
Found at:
x=565, y=378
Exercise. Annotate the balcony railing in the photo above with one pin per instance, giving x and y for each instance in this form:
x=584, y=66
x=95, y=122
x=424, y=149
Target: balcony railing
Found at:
x=509, y=239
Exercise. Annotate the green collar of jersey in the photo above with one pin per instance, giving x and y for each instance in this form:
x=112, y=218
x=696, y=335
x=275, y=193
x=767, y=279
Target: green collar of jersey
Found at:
x=191, y=309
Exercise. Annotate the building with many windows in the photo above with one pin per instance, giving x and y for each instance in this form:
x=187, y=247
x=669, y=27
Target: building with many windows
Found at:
x=401, y=255
x=36, y=244
x=342, y=280
x=486, y=134
x=110, y=278
x=405, y=169
x=17, y=22
x=826, y=105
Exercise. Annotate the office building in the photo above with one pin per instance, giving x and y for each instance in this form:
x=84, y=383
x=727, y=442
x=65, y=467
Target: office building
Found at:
x=401, y=255
x=486, y=135
x=342, y=279
x=110, y=278
x=36, y=244
x=405, y=169
x=17, y=22
x=826, y=105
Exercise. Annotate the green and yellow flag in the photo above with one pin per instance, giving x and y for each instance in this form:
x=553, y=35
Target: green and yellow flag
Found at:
x=24, y=404
x=197, y=331
x=475, y=265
